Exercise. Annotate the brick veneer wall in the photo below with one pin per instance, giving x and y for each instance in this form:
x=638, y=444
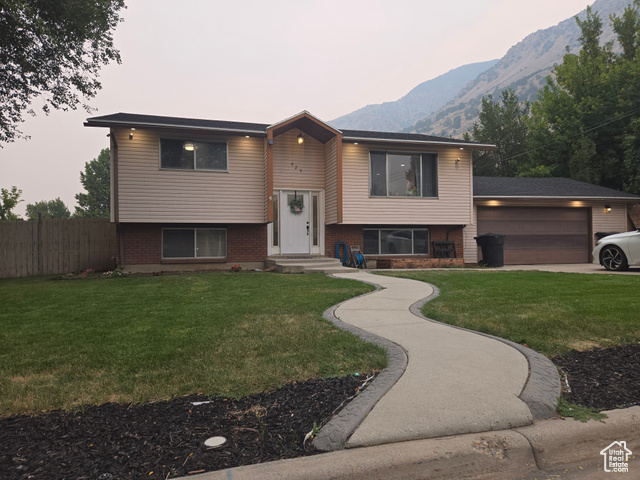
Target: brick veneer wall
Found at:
x=141, y=244
x=352, y=235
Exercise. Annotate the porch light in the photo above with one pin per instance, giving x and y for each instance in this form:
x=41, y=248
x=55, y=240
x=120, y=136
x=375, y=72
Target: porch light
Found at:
x=131, y=134
x=300, y=139
x=607, y=208
x=188, y=146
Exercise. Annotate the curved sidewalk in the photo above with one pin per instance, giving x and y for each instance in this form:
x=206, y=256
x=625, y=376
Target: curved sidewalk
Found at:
x=455, y=381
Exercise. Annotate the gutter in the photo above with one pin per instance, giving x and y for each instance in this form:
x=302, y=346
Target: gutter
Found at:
x=564, y=197
x=475, y=146
x=167, y=125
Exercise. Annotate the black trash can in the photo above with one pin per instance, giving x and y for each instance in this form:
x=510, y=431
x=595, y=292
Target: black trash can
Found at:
x=492, y=245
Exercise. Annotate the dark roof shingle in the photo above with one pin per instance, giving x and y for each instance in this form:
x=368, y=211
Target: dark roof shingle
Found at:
x=542, y=187
x=134, y=120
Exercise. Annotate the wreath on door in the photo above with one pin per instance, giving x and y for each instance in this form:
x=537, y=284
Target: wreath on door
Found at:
x=296, y=205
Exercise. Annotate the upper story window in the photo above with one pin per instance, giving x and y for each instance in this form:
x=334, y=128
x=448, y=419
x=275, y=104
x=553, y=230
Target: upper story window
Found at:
x=192, y=155
x=403, y=174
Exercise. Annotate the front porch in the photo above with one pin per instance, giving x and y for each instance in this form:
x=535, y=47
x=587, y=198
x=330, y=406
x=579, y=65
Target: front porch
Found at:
x=305, y=264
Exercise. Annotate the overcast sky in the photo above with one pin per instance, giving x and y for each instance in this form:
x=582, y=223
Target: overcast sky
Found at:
x=264, y=61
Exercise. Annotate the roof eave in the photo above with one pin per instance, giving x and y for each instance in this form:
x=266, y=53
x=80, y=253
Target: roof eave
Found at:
x=562, y=197
x=474, y=146
x=118, y=123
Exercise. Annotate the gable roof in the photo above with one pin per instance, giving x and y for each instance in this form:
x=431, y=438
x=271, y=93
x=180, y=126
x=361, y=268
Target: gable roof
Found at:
x=133, y=120
x=509, y=187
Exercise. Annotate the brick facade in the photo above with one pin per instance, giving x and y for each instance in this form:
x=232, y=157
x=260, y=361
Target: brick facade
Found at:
x=352, y=235
x=141, y=244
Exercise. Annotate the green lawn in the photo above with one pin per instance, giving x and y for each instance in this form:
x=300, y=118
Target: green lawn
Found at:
x=64, y=343
x=550, y=312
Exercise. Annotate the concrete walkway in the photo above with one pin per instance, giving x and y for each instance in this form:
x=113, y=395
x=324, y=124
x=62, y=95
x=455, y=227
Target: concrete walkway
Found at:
x=455, y=381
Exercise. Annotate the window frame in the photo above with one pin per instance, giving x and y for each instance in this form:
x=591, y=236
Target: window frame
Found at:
x=436, y=180
x=413, y=246
x=195, y=164
x=195, y=243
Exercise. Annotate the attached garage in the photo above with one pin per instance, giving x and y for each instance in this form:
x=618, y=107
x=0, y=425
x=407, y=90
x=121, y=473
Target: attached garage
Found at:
x=536, y=235
x=545, y=220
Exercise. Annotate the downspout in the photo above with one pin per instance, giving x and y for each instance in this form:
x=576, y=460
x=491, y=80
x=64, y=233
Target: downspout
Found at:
x=115, y=204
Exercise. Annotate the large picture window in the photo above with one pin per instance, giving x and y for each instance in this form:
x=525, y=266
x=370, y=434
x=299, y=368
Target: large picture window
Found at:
x=192, y=155
x=390, y=241
x=403, y=174
x=194, y=243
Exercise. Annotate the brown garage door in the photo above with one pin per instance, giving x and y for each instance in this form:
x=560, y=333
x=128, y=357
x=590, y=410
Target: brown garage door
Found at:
x=539, y=235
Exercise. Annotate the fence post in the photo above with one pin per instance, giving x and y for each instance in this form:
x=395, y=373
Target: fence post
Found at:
x=39, y=246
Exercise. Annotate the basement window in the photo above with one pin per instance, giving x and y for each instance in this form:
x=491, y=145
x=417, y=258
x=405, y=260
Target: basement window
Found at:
x=390, y=241
x=194, y=243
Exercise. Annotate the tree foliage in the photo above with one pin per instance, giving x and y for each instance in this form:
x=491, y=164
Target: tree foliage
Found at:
x=8, y=200
x=585, y=122
x=96, y=180
x=52, y=50
x=48, y=209
x=503, y=123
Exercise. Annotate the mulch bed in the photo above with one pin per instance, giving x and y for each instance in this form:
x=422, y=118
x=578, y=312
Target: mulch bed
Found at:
x=603, y=378
x=166, y=439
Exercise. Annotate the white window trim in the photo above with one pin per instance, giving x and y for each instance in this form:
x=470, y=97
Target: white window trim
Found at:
x=194, y=169
x=412, y=242
x=386, y=172
x=195, y=243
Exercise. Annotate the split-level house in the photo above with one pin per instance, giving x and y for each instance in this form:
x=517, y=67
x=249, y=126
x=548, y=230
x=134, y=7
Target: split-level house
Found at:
x=207, y=194
x=220, y=193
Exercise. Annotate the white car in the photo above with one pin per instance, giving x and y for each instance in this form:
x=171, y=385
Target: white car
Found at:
x=617, y=252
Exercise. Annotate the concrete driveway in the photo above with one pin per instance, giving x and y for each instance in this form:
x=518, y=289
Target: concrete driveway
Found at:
x=569, y=268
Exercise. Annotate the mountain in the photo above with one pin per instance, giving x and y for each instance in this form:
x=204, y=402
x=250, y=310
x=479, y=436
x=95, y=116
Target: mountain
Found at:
x=524, y=69
x=420, y=102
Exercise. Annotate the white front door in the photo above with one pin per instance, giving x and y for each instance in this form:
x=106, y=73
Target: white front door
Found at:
x=295, y=222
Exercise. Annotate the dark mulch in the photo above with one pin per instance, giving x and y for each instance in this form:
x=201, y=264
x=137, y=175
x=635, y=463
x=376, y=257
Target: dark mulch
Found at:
x=166, y=439
x=603, y=378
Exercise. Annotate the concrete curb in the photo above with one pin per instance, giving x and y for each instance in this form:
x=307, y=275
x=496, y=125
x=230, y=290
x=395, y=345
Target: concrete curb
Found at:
x=557, y=443
x=337, y=431
x=449, y=458
x=499, y=455
x=543, y=387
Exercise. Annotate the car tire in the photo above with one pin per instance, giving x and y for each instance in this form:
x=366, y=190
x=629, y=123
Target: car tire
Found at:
x=614, y=259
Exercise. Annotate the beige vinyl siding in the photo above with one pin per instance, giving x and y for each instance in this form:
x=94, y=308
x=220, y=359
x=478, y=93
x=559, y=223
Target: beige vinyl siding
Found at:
x=331, y=175
x=308, y=157
x=147, y=193
x=452, y=207
x=614, y=221
x=470, y=245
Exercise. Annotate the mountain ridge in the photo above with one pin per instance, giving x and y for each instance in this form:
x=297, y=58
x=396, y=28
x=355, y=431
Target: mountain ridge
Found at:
x=420, y=101
x=524, y=68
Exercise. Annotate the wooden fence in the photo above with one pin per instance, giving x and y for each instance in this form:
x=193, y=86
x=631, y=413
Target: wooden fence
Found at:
x=52, y=246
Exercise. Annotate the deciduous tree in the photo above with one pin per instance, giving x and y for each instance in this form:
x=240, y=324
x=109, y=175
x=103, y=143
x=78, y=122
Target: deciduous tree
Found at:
x=503, y=123
x=52, y=50
x=48, y=209
x=96, y=180
x=8, y=200
x=585, y=121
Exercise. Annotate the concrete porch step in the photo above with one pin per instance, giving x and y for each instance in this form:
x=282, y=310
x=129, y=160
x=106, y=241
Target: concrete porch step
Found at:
x=306, y=265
